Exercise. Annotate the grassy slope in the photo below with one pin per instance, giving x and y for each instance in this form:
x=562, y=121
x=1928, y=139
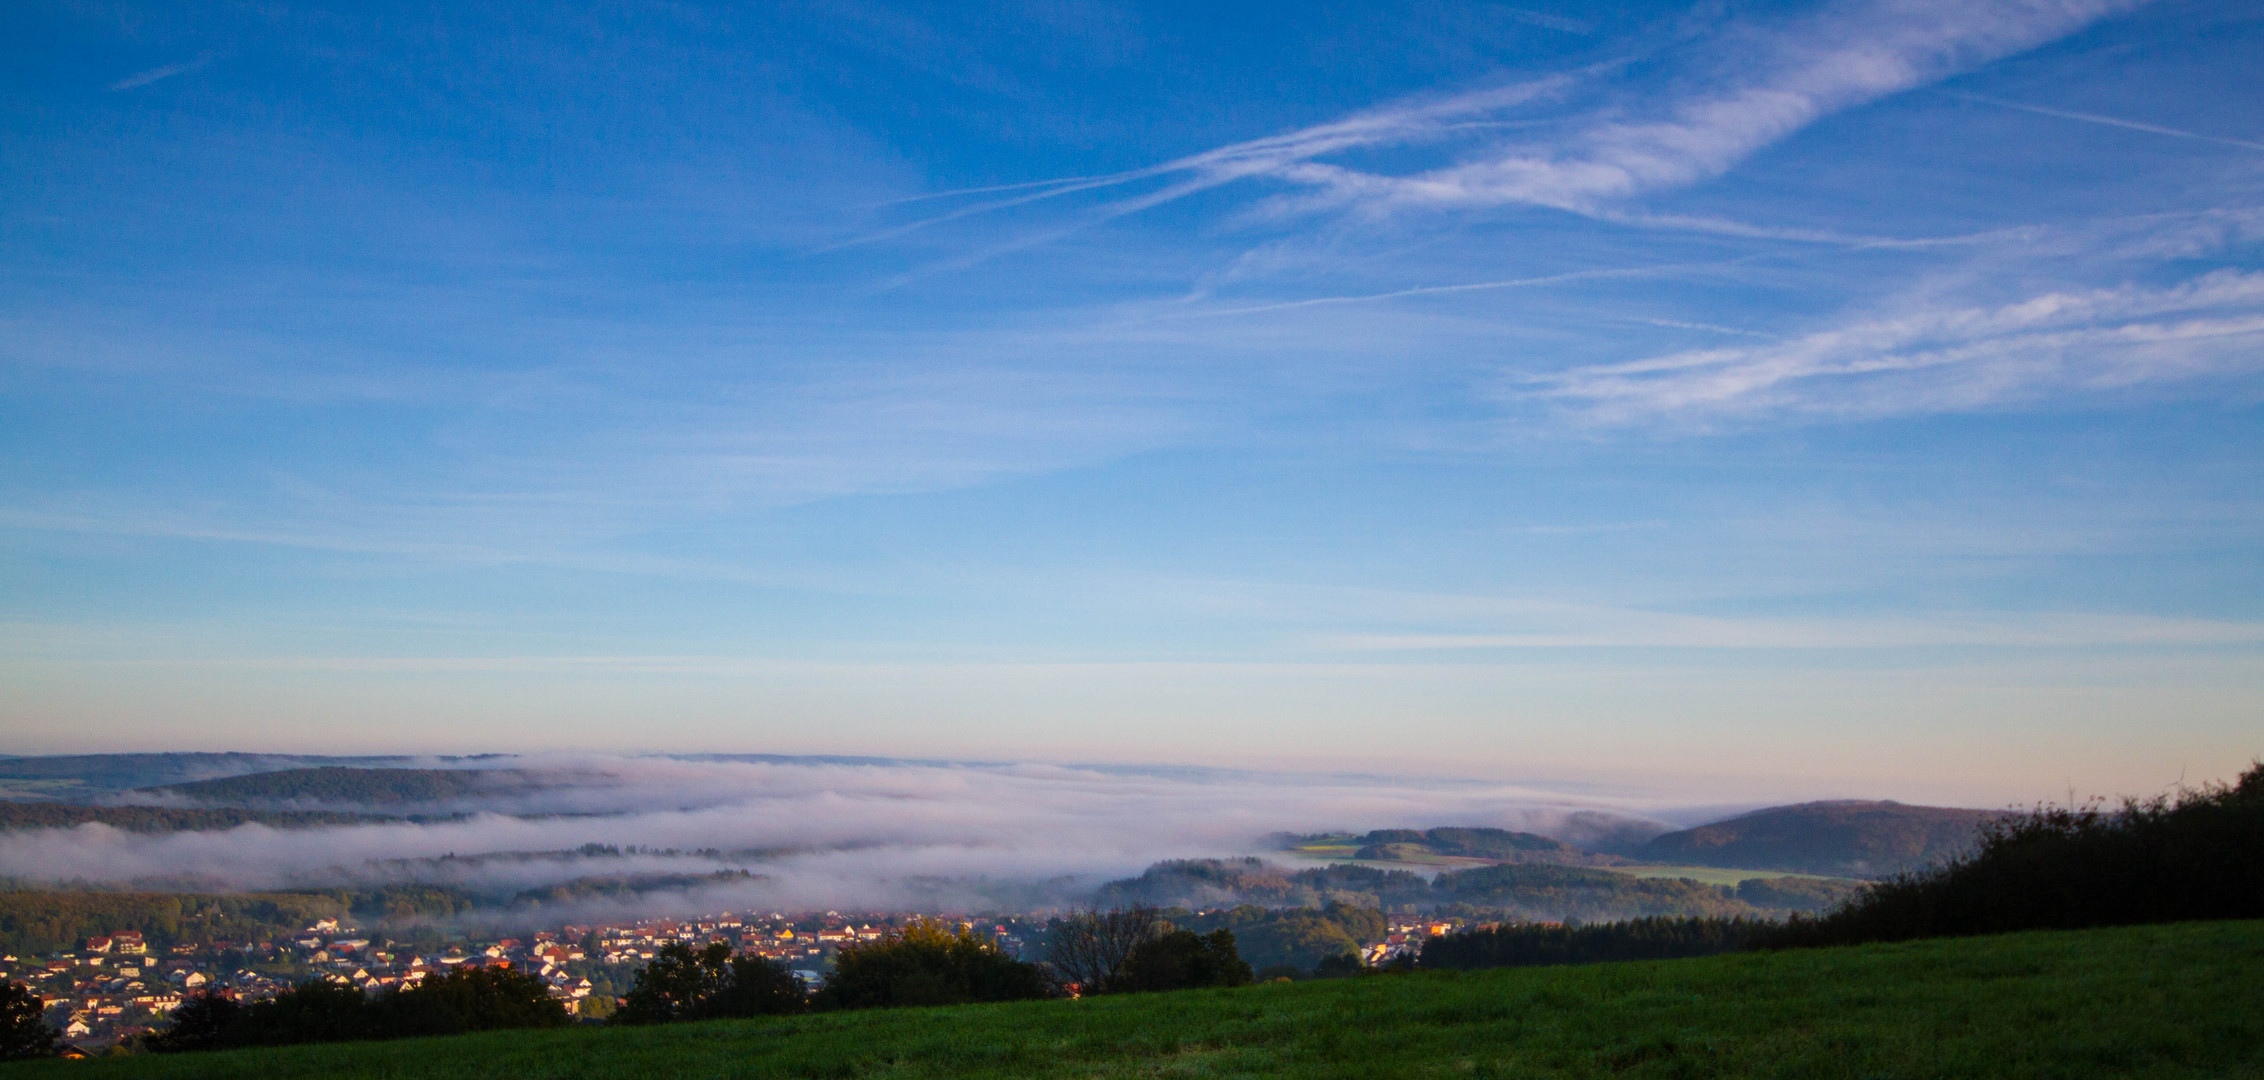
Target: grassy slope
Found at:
x=2165, y=1001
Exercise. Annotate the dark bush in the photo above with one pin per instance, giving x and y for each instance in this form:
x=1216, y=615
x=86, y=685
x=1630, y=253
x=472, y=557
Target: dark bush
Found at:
x=2199, y=855
x=24, y=1031
x=467, y=999
x=680, y=984
x=204, y=1022
x=1182, y=960
x=1339, y=966
x=928, y=964
x=758, y=987
x=313, y=1011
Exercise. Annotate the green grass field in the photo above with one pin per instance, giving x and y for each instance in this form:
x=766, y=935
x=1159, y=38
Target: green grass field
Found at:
x=2160, y=1001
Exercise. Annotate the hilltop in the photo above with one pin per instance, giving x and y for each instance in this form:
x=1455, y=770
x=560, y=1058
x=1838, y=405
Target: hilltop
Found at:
x=1840, y=839
x=2159, y=1001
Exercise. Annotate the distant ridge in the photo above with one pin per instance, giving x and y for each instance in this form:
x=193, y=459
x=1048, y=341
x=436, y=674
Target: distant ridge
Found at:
x=73, y=777
x=337, y=785
x=158, y=819
x=1841, y=838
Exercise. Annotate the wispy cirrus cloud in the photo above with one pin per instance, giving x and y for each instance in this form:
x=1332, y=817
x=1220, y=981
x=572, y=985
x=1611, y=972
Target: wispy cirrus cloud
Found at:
x=1763, y=84
x=2112, y=121
x=1942, y=358
x=1278, y=156
x=1725, y=96
x=144, y=78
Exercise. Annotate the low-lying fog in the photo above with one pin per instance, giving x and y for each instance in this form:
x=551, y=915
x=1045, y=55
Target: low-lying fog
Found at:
x=814, y=834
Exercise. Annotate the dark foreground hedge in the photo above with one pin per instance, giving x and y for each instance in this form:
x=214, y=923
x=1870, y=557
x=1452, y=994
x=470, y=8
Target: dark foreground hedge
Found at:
x=2197, y=855
x=461, y=1001
x=1527, y=945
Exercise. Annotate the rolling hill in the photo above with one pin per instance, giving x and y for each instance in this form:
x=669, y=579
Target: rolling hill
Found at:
x=1839, y=839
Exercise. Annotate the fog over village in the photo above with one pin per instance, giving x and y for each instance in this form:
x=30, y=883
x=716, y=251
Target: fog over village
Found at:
x=1051, y=539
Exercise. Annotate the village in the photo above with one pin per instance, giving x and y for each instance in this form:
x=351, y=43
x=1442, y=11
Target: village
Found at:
x=117, y=987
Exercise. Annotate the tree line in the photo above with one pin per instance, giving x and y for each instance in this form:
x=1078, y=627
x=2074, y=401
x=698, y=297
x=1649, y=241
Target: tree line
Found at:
x=2198, y=854
x=40, y=921
x=161, y=819
x=1537, y=945
x=1527, y=891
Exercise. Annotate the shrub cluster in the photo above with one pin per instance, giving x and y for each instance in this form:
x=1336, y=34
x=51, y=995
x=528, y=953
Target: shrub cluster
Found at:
x=1181, y=960
x=1135, y=950
x=711, y=984
x=2194, y=856
x=928, y=963
x=478, y=999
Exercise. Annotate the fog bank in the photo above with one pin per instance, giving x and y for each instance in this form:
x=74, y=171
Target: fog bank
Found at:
x=813, y=834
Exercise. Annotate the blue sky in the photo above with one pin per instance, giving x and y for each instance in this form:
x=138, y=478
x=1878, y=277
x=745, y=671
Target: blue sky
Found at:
x=1745, y=399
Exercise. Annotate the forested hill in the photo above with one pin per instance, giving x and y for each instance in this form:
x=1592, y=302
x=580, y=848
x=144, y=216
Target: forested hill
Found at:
x=1844, y=839
x=1501, y=844
x=48, y=815
x=1528, y=891
x=338, y=785
x=43, y=921
x=98, y=777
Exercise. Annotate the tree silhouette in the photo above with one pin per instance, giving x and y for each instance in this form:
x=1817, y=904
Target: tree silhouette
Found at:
x=24, y=1031
x=680, y=984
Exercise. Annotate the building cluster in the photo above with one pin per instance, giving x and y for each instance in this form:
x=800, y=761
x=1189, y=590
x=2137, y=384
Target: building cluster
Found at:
x=116, y=986
x=1403, y=937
